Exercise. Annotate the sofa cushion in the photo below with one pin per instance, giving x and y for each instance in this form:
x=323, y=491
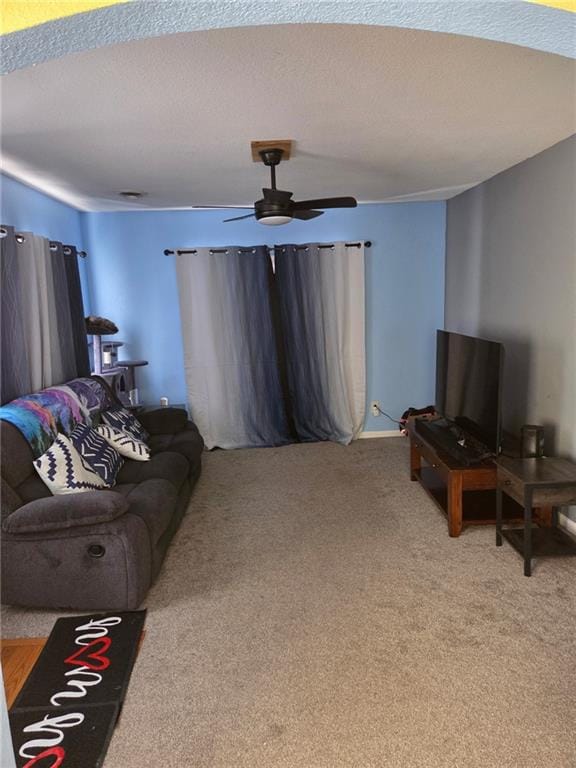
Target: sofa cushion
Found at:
x=16, y=455
x=152, y=500
x=100, y=456
x=63, y=470
x=32, y=488
x=54, y=513
x=9, y=498
x=188, y=442
x=122, y=419
x=161, y=421
x=125, y=444
x=163, y=466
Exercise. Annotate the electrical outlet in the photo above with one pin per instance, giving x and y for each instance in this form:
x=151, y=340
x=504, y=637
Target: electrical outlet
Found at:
x=375, y=407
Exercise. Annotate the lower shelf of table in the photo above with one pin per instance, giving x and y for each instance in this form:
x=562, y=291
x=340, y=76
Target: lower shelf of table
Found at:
x=546, y=542
x=478, y=507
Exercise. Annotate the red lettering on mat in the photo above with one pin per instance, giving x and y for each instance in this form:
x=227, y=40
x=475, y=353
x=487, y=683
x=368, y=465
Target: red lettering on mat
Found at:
x=82, y=656
x=56, y=752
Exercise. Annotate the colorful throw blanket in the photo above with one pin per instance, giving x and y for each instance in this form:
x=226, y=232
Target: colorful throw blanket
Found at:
x=93, y=396
x=41, y=416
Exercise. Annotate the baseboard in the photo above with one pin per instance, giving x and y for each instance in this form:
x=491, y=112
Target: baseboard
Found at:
x=386, y=433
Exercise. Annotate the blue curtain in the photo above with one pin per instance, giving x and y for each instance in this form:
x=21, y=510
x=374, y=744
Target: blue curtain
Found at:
x=231, y=357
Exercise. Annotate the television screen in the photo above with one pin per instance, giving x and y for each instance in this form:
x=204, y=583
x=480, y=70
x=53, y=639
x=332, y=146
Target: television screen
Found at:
x=469, y=384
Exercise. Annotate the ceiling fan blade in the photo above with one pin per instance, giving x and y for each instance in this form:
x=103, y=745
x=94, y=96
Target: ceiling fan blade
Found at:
x=304, y=215
x=221, y=207
x=327, y=202
x=238, y=218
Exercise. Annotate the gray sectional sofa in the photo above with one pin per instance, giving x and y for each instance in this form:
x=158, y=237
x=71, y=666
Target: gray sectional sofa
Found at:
x=98, y=550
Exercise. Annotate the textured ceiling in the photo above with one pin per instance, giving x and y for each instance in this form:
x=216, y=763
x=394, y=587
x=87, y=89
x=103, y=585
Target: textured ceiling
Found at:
x=376, y=112
x=18, y=15
x=516, y=22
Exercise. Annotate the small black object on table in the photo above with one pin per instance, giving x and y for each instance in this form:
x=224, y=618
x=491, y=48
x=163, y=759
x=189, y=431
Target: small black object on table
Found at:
x=535, y=482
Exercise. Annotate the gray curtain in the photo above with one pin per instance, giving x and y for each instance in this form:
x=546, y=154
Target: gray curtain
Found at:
x=231, y=355
x=321, y=297
x=40, y=332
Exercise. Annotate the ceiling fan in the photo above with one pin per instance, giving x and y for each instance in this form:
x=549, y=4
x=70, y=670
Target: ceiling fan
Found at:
x=277, y=207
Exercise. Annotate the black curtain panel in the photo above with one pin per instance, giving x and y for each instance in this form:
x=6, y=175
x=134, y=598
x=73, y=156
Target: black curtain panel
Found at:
x=82, y=360
x=63, y=313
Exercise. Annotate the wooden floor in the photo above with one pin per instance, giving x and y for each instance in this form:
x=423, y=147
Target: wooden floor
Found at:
x=18, y=658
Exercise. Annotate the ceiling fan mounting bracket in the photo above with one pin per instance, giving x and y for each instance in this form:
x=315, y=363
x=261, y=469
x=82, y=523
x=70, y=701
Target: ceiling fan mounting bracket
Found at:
x=286, y=145
x=271, y=157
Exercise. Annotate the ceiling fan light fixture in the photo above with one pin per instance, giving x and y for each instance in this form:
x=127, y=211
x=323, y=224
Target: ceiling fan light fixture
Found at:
x=275, y=221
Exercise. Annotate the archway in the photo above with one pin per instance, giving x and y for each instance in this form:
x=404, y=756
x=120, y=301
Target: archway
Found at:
x=541, y=24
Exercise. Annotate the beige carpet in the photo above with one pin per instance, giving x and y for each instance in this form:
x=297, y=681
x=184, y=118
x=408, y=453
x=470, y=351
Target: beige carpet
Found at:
x=313, y=613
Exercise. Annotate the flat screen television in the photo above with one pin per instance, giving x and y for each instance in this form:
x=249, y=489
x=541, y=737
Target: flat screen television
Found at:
x=469, y=385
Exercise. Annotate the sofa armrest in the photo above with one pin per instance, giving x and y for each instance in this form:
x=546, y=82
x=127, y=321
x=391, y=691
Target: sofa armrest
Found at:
x=163, y=421
x=53, y=513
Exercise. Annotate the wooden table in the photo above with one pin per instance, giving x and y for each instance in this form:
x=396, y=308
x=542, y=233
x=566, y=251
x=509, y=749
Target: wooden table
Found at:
x=535, y=482
x=466, y=494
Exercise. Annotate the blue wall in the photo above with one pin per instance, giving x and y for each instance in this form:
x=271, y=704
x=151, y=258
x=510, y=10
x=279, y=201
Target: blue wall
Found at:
x=127, y=278
x=134, y=284
x=28, y=210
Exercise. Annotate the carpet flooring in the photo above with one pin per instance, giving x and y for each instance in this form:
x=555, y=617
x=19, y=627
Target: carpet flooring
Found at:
x=313, y=613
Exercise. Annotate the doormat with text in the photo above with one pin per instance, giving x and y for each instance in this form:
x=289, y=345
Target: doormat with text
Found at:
x=66, y=711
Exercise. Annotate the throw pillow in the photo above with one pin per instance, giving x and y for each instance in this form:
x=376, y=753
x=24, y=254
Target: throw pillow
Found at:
x=63, y=470
x=100, y=456
x=122, y=419
x=125, y=444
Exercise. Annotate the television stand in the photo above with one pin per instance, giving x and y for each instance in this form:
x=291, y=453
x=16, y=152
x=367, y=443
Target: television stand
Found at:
x=465, y=494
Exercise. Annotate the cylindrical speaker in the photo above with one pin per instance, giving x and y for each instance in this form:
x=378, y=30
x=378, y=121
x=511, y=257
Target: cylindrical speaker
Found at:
x=532, y=441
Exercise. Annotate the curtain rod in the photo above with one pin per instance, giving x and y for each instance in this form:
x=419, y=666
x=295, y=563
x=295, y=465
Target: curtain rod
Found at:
x=183, y=251
x=67, y=249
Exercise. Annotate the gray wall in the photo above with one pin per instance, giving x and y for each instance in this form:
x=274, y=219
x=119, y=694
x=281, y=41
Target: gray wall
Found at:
x=511, y=276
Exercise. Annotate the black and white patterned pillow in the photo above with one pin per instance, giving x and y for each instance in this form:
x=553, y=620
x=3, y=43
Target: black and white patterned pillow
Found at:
x=63, y=470
x=100, y=456
x=122, y=419
x=125, y=444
